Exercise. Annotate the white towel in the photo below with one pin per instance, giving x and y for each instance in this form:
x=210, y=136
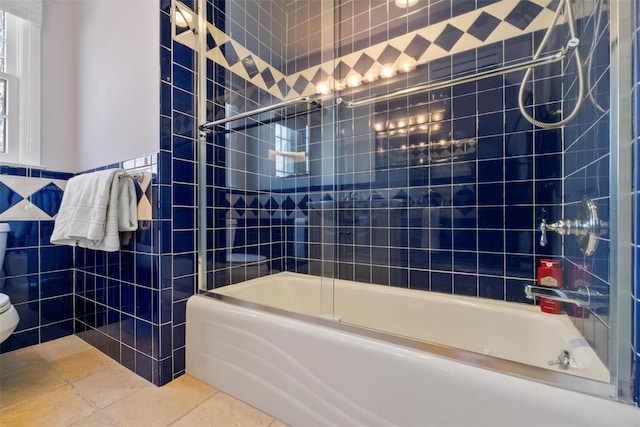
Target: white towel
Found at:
x=95, y=208
x=295, y=156
x=127, y=210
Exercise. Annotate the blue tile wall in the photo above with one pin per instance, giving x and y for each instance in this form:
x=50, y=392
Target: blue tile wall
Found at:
x=470, y=189
x=112, y=300
x=173, y=258
x=37, y=276
x=123, y=304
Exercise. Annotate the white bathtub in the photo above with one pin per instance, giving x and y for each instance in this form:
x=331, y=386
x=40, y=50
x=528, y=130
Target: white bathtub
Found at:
x=315, y=372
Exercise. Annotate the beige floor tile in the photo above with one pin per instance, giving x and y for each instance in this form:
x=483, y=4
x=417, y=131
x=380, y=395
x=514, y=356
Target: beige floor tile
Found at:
x=187, y=383
x=82, y=364
x=97, y=419
x=28, y=383
x=62, y=347
x=278, y=423
x=66, y=383
x=224, y=411
x=160, y=406
x=19, y=360
x=109, y=385
x=60, y=407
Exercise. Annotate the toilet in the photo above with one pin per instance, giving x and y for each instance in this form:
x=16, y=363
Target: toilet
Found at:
x=8, y=315
x=251, y=264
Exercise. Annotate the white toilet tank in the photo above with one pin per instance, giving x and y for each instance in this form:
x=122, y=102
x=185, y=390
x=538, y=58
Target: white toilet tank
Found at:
x=4, y=233
x=9, y=317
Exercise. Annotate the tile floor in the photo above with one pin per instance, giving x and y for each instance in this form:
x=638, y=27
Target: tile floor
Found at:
x=66, y=382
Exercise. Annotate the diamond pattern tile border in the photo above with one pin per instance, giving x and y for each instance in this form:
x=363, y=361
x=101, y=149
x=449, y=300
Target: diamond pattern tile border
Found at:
x=497, y=21
x=48, y=198
x=27, y=198
x=268, y=206
x=8, y=197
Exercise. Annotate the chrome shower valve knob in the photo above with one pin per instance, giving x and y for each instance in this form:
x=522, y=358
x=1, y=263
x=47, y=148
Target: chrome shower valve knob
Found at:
x=587, y=227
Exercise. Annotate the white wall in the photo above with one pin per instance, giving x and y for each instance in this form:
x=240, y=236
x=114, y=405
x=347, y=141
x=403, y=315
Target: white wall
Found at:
x=105, y=55
x=59, y=110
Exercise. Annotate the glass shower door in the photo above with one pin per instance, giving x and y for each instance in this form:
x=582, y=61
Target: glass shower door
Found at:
x=444, y=189
x=440, y=190
x=268, y=172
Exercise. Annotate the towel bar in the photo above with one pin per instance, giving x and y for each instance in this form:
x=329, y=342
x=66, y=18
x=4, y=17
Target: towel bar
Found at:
x=138, y=176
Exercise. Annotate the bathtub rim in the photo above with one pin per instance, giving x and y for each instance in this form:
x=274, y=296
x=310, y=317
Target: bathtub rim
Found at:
x=492, y=363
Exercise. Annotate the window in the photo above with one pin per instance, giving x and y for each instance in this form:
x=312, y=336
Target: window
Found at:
x=291, y=149
x=4, y=83
x=284, y=164
x=20, y=81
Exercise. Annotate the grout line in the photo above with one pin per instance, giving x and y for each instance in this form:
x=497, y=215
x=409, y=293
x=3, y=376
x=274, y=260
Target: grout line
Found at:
x=50, y=364
x=193, y=409
x=96, y=410
x=68, y=382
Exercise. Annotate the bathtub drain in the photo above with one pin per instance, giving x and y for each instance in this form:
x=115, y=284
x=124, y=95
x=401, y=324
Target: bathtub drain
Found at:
x=564, y=360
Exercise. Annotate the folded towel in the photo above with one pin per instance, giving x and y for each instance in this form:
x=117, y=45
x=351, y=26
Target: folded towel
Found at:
x=127, y=210
x=95, y=208
x=295, y=156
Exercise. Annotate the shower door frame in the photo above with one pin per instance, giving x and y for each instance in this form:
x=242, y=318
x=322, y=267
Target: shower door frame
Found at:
x=620, y=261
x=620, y=179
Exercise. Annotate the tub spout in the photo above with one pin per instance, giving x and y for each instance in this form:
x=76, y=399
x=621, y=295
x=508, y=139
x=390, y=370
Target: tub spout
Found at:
x=583, y=296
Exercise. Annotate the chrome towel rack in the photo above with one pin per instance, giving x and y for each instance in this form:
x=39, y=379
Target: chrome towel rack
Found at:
x=136, y=176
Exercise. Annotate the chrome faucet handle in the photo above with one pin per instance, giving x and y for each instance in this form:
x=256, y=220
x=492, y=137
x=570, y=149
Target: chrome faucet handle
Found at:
x=587, y=227
x=543, y=232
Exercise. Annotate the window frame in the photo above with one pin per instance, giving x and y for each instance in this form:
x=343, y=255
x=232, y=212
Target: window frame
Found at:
x=284, y=166
x=23, y=75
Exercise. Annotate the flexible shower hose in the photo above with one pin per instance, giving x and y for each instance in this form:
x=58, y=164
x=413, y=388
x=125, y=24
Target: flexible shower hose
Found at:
x=566, y=5
x=592, y=53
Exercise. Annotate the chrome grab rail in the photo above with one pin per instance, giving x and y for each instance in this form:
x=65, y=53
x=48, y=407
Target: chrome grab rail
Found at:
x=548, y=59
x=301, y=100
